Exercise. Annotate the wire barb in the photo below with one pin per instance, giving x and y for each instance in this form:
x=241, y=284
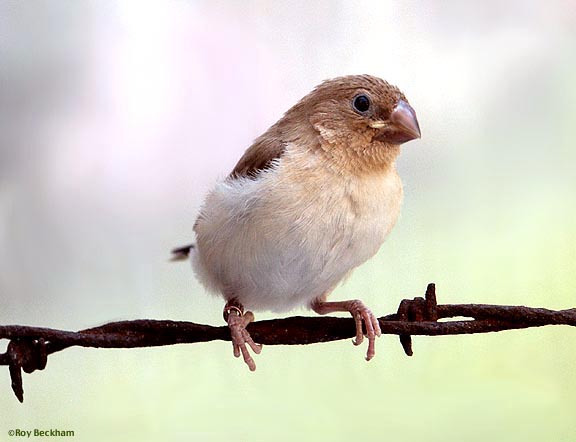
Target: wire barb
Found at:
x=29, y=347
x=417, y=310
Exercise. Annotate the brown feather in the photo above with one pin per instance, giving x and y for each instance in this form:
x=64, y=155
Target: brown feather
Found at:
x=323, y=122
x=259, y=156
x=181, y=253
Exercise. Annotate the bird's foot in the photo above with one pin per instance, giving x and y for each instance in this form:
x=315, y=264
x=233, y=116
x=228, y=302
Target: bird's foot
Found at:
x=361, y=314
x=237, y=321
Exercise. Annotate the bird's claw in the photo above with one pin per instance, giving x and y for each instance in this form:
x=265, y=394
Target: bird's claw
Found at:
x=361, y=313
x=237, y=322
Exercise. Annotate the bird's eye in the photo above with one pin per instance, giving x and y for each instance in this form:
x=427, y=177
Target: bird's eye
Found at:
x=361, y=103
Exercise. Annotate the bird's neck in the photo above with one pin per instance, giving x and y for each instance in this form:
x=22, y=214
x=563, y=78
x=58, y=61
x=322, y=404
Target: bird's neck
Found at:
x=360, y=159
x=349, y=156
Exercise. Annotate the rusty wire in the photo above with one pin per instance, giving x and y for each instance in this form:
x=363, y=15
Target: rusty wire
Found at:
x=29, y=347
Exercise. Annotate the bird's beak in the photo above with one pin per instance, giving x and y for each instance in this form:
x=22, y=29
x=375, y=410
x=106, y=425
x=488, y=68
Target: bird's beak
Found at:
x=404, y=118
x=400, y=127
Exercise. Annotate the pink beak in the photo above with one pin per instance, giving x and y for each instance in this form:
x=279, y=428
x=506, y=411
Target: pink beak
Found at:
x=404, y=118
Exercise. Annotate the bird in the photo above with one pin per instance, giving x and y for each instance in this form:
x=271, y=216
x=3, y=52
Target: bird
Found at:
x=310, y=200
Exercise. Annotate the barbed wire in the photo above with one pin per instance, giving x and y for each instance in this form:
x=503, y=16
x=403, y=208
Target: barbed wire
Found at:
x=29, y=347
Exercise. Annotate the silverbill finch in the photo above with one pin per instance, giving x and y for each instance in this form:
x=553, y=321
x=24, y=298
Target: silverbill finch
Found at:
x=312, y=198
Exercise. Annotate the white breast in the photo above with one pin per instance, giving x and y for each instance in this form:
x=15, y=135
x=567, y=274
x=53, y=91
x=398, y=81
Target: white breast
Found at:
x=292, y=234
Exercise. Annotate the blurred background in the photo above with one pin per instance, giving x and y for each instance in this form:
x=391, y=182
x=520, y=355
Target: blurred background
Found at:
x=117, y=116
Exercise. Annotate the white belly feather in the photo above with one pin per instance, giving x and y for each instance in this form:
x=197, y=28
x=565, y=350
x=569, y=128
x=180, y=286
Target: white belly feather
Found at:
x=284, y=239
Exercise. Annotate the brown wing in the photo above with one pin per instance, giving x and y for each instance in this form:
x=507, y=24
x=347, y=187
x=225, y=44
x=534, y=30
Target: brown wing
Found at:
x=259, y=156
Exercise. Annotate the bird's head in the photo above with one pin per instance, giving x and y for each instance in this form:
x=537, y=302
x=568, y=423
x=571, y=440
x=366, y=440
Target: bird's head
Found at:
x=360, y=119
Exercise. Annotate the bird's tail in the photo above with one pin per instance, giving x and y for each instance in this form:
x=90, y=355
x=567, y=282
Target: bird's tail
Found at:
x=182, y=253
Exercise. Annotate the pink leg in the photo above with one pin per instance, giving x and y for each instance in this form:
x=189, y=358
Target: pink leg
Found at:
x=360, y=313
x=237, y=321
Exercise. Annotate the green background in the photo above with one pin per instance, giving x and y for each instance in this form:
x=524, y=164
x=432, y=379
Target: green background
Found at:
x=117, y=117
